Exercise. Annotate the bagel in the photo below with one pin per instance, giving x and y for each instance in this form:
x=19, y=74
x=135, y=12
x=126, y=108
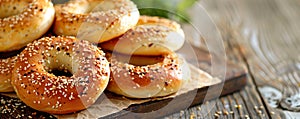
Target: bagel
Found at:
x=39, y=88
x=152, y=36
x=165, y=77
x=95, y=20
x=22, y=21
x=6, y=67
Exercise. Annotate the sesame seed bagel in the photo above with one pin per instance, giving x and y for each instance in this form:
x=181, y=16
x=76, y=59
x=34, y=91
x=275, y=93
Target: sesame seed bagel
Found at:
x=162, y=78
x=95, y=20
x=152, y=36
x=42, y=90
x=6, y=67
x=22, y=21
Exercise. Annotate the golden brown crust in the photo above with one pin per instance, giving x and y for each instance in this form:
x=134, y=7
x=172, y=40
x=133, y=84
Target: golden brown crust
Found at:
x=156, y=80
x=46, y=92
x=152, y=36
x=95, y=20
x=143, y=20
x=23, y=21
x=137, y=59
x=6, y=67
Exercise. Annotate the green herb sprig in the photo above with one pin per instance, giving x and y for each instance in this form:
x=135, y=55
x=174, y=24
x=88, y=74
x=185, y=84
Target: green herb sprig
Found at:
x=172, y=9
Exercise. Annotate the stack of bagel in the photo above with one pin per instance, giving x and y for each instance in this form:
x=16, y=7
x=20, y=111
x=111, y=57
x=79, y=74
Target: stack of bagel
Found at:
x=96, y=44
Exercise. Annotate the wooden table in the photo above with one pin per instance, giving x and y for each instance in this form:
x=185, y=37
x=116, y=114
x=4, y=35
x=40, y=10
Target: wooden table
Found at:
x=263, y=36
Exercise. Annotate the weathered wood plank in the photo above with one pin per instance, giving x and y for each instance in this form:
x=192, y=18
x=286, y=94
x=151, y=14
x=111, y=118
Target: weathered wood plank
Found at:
x=220, y=109
x=227, y=109
x=269, y=44
x=231, y=107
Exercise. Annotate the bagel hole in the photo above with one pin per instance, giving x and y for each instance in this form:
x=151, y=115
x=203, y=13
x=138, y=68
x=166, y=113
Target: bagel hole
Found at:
x=138, y=60
x=59, y=72
x=60, y=64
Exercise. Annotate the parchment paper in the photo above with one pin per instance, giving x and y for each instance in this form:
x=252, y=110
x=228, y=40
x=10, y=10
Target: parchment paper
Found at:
x=109, y=103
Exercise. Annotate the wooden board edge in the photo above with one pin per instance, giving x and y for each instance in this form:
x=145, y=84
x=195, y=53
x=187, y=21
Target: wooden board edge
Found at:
x=142, y=110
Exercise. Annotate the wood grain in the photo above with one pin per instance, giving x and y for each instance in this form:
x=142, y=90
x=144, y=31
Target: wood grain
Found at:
x=269, y=43
x=246, y=103
x=235, y=80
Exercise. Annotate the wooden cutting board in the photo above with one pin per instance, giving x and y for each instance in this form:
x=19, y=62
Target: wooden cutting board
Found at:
x=235, y=80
